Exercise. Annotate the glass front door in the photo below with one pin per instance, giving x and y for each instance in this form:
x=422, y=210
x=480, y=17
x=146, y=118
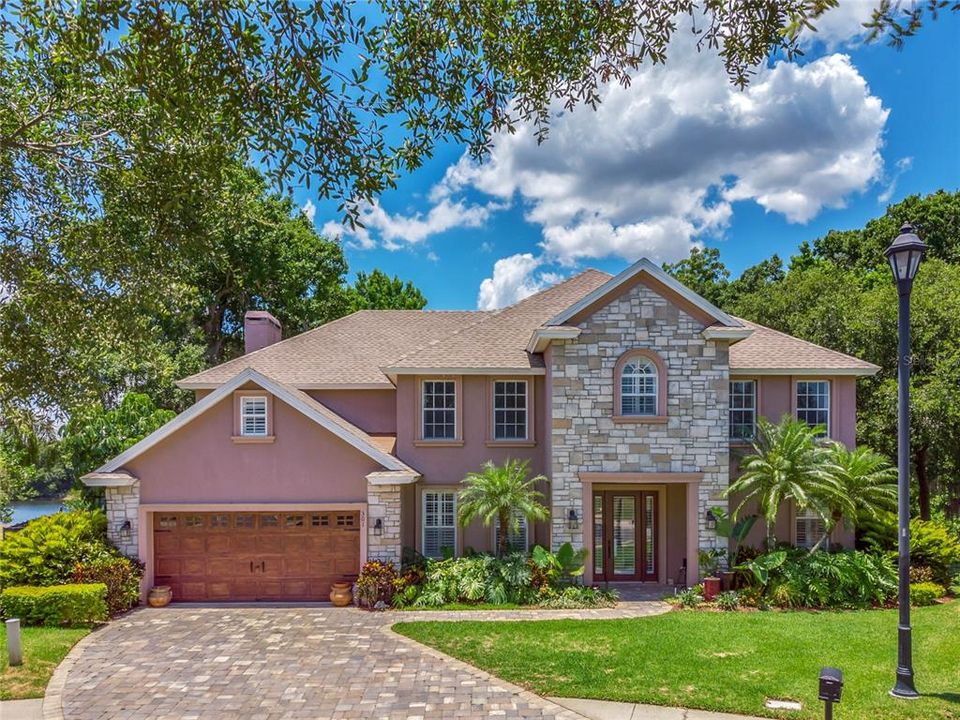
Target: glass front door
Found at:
x=624, y=535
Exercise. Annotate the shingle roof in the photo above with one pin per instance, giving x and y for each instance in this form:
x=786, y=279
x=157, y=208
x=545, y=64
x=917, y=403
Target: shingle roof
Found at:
x=499, y=341
x=771, y=350
x=348, y=351
x=363, y=348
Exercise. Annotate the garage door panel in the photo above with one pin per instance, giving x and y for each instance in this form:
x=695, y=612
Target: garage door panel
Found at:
x=219, y=543
x=193, y=543
x=255, y=556
x=269, y=543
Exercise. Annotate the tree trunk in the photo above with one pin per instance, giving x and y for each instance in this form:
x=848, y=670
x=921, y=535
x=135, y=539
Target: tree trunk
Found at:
x=504, y=533
x=213, y=332
x=923, y=482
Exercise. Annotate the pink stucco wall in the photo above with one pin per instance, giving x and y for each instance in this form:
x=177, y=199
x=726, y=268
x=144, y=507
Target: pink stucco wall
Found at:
x=375, y=411
x=449, y=465
x=201, y=464
x=777, y=397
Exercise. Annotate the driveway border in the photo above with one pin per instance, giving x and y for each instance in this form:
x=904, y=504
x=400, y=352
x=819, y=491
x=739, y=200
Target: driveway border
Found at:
x=562, y=712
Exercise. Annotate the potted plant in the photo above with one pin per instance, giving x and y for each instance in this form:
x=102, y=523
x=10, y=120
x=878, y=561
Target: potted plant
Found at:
x=735, y=530
x=709, y=566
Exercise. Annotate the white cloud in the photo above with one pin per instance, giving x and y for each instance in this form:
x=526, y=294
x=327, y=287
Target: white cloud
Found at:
x=309, y=209
x=902, y=165
x=433, y=257
x=842, y=25
x=514, y=278
x=397, y=229
x=657, y=167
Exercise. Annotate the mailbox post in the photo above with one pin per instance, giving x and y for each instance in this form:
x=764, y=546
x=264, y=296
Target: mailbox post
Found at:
x=831, y=688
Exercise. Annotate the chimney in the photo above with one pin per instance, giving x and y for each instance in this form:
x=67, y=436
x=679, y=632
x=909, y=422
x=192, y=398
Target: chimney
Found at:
x=260, y=329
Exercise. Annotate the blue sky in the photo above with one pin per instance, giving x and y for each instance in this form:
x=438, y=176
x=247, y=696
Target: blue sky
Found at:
x=680, y=159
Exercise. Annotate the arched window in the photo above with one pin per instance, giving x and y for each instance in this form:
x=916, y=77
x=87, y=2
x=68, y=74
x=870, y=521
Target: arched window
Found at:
x=639, y=386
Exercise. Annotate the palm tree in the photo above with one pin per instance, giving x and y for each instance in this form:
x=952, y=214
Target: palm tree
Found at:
x=789, y=462
x=501, y=492
x=867, y=484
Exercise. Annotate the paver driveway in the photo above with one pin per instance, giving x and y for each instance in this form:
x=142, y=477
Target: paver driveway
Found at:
x=266, y=663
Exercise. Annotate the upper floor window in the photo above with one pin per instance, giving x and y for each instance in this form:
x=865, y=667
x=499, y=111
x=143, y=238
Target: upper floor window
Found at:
x=743, y=409
x=253, y=415
x=439, y=522
x=813, y=402
x=510, y=410
x=439, y=410
x=639, y=386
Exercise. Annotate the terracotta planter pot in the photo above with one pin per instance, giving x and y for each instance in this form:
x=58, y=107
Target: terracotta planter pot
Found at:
x=341, y=594
x=159, y=596
x=711, y=588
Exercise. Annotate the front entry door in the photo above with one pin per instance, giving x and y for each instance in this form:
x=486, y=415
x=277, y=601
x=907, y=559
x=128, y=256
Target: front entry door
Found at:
x=625, y=535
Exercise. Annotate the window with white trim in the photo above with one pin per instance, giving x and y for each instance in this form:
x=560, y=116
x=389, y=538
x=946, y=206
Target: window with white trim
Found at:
x=638, y=387
x=438, y=402
x=439, y=522
x=516, y=537
x=809, y=529
x=743, y=409
x=510, y=410
x=813, y=402
x=253, y=415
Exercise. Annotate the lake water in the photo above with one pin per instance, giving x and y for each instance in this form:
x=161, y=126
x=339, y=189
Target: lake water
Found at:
x=23, y=511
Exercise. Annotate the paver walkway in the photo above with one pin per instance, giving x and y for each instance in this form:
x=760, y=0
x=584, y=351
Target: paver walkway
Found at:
x=273, y=663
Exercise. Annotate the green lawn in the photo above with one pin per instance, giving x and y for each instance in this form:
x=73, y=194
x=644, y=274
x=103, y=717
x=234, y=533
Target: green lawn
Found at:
x=719, y=661
x=43, y=649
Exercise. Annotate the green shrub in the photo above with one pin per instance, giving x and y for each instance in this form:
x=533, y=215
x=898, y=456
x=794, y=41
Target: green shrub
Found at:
x=56, y=605
x=376, y=584
x=46, y=551
x=933, y=545
x=729, y=600
x=920, y=574
x=926, y=593
x=578, y=596
x=847, y=579
x=689, y=598
x=120, y=574
x=479, y=578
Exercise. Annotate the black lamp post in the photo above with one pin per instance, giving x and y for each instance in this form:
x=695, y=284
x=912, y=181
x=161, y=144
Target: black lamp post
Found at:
x=904, y=255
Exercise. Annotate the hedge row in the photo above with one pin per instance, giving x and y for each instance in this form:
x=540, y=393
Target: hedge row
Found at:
x=55, y=605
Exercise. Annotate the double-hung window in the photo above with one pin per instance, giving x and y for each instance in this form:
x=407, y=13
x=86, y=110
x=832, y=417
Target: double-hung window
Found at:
x=813, y=402
x=516, y=535
x=638, y=388
x=510, y=410
x=253, y=416
x=439, y=522
x=743, y=409
x=438, y=402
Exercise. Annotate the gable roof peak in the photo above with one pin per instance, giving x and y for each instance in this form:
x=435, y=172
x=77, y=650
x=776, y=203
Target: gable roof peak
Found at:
x=645, y=266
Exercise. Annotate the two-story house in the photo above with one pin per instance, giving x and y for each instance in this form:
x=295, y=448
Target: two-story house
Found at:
x=305, y=457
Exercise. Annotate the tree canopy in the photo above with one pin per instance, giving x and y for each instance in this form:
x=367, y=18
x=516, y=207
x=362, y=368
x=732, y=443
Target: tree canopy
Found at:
x=837, y=292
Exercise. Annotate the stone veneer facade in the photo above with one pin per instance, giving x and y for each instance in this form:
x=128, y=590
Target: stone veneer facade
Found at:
x=585, y=437
x=383, y=502
x=123, y=504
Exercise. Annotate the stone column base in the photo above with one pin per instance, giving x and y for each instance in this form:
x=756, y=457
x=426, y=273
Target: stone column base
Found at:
x=383, y=505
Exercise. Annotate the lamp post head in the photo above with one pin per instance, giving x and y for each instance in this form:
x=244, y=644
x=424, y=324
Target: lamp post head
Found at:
x=904, y=255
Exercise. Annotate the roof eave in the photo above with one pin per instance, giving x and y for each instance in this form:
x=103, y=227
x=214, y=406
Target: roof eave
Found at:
x=542, y=337
x=393, y=372
x=807, y=372
x=721, y=332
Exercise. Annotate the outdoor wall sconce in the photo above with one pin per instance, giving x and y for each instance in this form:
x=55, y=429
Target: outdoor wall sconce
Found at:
x=378, y=526
x=573, y=522
x=125, y=527
x=711, y=520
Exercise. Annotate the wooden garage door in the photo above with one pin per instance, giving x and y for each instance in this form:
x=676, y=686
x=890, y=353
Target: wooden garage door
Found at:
x=291, y=555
